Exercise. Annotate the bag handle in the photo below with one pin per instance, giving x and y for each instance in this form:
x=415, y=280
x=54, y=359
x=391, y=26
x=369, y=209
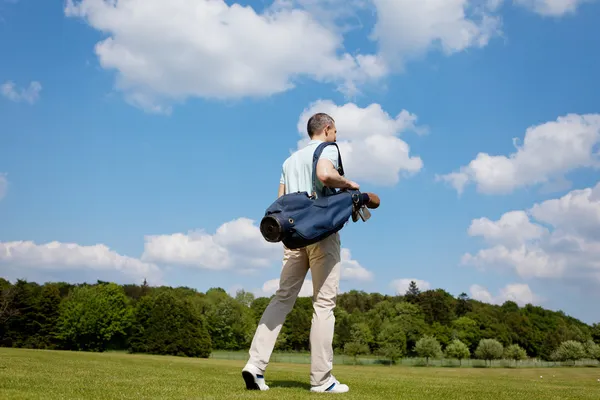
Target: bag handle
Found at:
x=316, y=156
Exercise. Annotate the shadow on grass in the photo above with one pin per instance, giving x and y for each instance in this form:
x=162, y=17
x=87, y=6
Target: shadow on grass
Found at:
x=290, y=384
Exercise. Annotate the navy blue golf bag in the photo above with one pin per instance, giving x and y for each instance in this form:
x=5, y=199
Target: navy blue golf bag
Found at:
x=300, y=219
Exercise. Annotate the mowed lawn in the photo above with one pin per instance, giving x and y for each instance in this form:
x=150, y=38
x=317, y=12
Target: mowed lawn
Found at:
x=38, y=374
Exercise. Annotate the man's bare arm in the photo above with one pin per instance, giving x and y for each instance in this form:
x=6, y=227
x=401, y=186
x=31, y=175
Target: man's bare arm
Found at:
x=281, y=191
x=331, y=177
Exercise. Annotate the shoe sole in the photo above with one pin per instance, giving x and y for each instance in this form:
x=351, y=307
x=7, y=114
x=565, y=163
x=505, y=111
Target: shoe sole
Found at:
x=249, y=379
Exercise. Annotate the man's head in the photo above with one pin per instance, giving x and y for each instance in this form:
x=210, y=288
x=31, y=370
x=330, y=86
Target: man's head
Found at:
x=321, y=127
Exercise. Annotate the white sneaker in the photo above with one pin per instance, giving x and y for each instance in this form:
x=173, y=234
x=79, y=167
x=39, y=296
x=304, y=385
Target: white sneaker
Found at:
x=254, y=378
x=332, y=386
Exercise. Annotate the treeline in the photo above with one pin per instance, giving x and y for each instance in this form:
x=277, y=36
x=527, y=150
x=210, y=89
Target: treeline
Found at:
x=183, y=321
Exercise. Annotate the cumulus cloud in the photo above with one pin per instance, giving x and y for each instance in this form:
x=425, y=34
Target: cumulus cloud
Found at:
x=368, y=140
x=30, y=94
x=518, y=292
x=400, y=286
x=407, y=28
x=552, y=8
x=352, y=270
x=513, y=228
x=24, y=257
x=549, y=151
x=235, y=244
x=3, y=184
x=169, y=51
x=558, y=238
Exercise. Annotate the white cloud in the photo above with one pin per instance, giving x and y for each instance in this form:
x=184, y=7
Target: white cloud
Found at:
x=235, y=244
x=26, y=256
x=400, y=286
x=558, y=238
x=408, y=28
x=368, y=137
x=518, y=292
x=513, y=228
x=170, y=51
x=549, y=151
x=552, y=8
x=3, y=184
x=30, y=94
x=352, y=270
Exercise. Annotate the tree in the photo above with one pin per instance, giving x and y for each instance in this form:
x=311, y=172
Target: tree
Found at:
x=361, y=336
x=245, y=298
x=463, y=305
x=489, y=350
x=354, y=349
x=428, y=347
x=412, y=293
x=592, y=350
x=230, y=323
x=48, y=310
x=169, y=325
x=7, y=306
x=438, y=306
x=94, y=317
x=569, y=350
x=458, y=350
x=467, y=331
x=596, y=333
x=515, y=352
x=392, y=341
x=412, y=321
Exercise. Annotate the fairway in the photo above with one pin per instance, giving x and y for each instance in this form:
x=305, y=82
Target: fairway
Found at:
x=38, y=374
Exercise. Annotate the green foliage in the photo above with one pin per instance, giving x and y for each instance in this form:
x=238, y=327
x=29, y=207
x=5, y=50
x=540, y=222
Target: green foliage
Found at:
x=458, y=350
x=391, y=341
x=595, y=333
x=360, y=338
x=412, y=293
x=428, y=347
x=297, y=326
x=489, y=350
x=592, y=350
x=230, y=323
x=94, y=317
x=569, y=350
x=467, y=331
x=104, y=315
x=245, y=298
x=354, y=349
x=515, y=352
x=463, y=305
x=170, y=325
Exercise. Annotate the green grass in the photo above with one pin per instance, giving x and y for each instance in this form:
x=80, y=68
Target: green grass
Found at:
x=37, y=374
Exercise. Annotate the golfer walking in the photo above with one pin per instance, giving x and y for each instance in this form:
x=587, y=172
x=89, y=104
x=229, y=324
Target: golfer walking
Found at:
x=322, y=258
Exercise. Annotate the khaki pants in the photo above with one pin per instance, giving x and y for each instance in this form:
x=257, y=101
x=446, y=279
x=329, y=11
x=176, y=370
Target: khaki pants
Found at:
x=323, y=259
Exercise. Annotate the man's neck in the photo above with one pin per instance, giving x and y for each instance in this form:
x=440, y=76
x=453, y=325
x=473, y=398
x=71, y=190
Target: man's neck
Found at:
x=320, y=138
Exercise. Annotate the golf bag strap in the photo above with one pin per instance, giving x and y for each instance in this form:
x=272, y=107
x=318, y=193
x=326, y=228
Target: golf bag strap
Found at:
x=316, y=156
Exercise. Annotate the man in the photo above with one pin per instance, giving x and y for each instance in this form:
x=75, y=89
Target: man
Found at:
x=323, y=259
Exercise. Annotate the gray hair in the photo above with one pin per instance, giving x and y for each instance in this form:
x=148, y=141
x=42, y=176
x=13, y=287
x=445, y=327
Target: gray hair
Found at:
x=317, y=123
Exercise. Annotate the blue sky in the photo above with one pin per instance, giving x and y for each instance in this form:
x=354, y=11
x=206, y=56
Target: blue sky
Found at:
x=144, y=134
